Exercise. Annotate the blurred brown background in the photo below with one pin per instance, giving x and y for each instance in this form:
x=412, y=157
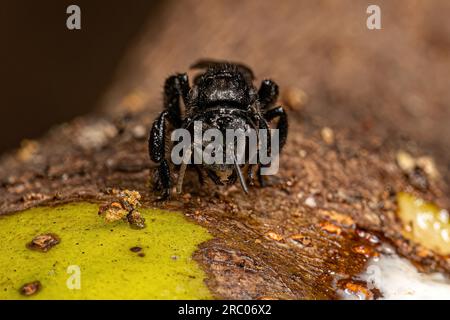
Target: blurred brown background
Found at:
x=50, y=74
x=392, y=82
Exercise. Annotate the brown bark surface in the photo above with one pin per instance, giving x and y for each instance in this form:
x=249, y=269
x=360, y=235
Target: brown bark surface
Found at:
x=379, y=91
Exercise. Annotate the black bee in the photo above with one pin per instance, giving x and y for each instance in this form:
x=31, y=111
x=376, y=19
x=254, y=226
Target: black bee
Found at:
x=223, y=97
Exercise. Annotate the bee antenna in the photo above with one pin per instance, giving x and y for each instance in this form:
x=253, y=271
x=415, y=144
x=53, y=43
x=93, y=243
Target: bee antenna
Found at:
x=239, y=173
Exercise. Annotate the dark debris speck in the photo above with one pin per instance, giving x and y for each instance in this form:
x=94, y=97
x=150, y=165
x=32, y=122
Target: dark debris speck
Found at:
x=44, y=242
x=30, y=288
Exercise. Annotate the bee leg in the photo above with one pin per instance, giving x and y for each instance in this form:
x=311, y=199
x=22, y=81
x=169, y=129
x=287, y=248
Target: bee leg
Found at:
x=232, y=178
x=200, y=175
x=156, y=148
x=268, y=94
x=176, y=86
x=250, y=175
x=207, y=63
x=213, y=176
x=282, y=125
x=261, y=180
x=164, y=175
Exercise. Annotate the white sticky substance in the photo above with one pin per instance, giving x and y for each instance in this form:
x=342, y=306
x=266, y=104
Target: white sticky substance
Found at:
x=398, y=279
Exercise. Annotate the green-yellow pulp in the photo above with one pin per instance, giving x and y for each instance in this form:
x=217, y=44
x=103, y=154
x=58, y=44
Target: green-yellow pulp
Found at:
x=425, y=223
x=94, y=260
